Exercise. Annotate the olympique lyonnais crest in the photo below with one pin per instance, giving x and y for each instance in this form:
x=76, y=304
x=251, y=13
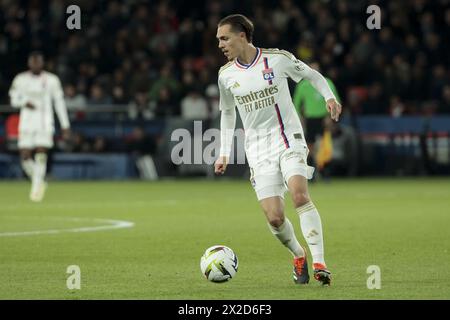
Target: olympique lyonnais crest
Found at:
x=268, y=74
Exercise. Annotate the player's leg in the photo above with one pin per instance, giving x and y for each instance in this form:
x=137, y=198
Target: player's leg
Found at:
x=43, y=141
x=267, y=181
x=311, y=225
x=27, y=162
x=25, y=145
x=272, y=203
x=40, y=168
x=310, y=221
x=280, y=226
x=296, y=173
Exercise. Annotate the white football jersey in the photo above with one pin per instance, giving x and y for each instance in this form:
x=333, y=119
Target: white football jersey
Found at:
x=260, y=91
x=42, y=91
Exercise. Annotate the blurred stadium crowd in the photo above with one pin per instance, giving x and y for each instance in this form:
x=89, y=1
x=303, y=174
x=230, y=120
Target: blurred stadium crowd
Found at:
x=158, y=59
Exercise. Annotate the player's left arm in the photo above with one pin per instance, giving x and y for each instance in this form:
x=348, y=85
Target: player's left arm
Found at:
x=227, y=126
x=60, y=107
x=297, y=70
x=17, y=98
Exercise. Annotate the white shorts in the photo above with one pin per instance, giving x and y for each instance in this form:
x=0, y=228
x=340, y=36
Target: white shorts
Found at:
x=269, y=178
x=34, y=139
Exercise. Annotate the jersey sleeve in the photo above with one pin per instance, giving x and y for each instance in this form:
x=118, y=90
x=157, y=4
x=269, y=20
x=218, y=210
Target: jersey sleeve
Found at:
x=227, y=126
x=292, y=67
x=17, y=98
x=226, y=101
x=297, y=70
x=60, y=105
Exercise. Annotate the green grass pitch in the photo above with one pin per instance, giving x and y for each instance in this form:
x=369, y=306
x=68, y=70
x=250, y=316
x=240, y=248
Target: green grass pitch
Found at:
x=401, y=225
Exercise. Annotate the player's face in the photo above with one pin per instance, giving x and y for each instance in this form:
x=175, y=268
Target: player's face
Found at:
x=36, y=63
x=231, y=43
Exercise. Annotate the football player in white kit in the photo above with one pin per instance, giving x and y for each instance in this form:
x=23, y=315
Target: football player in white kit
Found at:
x=35, y=92
x=255, y=81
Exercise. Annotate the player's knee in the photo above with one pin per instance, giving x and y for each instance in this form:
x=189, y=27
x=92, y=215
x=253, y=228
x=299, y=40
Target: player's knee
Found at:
x=300, y=198
x=25, y=155
x=276, y=220
x=41, y=150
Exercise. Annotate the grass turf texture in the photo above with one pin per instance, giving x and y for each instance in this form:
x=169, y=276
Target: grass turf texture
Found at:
x=401, y=225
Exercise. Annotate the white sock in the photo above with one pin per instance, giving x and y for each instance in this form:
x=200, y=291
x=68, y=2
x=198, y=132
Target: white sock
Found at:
x=285, y=233
x=28, y=167
x=40, y=168
x=311, y=226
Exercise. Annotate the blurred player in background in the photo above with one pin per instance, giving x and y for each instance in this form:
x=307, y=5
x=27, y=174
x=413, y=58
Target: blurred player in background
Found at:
x=255, y=80
x=35, y=92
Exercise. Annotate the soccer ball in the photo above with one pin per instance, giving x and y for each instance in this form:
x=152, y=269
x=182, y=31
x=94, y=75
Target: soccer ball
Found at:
x=219, y=264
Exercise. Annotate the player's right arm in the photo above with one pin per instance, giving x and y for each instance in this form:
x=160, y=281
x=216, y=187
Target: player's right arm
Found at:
x=227, y=125
x=296, y=70
x=60, y=107
x=17, y=98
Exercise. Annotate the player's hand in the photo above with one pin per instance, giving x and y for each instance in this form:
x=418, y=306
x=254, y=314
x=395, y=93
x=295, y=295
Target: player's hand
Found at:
x=65, y=134
x=334, y=108
x=220, y=165
x=30, y=106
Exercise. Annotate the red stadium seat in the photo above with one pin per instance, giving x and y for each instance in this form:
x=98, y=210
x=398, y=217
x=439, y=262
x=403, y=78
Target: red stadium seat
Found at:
x=12, y=131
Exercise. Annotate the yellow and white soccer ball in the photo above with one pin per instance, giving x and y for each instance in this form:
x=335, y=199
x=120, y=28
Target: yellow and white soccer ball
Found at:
x=219, y=263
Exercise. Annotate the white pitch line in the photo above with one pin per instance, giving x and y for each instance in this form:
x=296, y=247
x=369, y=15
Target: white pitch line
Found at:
x=90, y=205
x=112, y=224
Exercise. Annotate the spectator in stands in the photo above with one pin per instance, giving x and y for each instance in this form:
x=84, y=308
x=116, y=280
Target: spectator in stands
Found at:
x=119, y=80
x=74, y=101
x=396, y=107
x=118, y=96
x=151, y=45
x=141, y=147
x=212, y=95
x=142, y=75
x=78, y=143
x=363, y=49
x=98, y=97
x=165, y=80
x=376, y=102
x=100, y=104
x=439, y=79
x=165, y=27
x=187, y=81
x=194, y=106
x=444, y=107
x=166, y=105
x=138, y=142
x=99, y=145
x=189, y=42
x=140, y=108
